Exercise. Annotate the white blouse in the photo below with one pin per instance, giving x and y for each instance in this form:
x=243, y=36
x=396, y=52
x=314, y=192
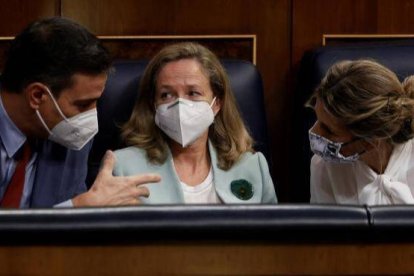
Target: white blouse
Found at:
x=357, y=183
x=204, y=193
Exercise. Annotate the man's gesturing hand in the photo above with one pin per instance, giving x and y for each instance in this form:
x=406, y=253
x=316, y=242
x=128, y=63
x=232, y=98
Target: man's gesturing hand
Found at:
x=108, y=190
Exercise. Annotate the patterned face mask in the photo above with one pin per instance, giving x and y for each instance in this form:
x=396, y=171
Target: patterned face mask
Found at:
x=329, y=150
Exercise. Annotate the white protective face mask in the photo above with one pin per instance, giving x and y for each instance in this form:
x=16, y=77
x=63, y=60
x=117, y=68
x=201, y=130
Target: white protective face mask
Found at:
x=73, y=132
x=183, y=120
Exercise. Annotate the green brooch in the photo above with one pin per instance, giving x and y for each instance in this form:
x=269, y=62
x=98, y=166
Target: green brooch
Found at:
x=242, y=189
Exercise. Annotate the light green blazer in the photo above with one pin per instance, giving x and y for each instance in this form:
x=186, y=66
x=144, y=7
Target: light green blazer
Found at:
x=247, y=182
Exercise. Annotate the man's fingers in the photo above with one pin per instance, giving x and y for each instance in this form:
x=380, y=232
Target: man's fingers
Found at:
x=140, y=179
x=142, y=191
x=108, y=162
x=129, y=201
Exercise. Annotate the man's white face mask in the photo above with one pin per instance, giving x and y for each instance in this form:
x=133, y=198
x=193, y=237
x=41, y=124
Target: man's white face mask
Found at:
x=183, y=120
x=73, y=132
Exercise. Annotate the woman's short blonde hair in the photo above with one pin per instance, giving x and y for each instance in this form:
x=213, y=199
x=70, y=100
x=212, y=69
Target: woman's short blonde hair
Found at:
x=228, y=133
x=369, y=100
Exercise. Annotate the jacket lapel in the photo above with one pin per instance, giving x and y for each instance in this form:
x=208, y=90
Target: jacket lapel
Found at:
x=222, y=179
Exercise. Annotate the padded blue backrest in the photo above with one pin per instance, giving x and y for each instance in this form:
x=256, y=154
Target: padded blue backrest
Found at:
x=396, y=55
x=117, y=101
x=137, y=224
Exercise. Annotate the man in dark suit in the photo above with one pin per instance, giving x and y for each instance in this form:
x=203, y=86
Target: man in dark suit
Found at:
x=54, y=73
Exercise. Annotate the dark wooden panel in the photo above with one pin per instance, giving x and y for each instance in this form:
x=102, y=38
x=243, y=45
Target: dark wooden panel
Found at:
x=209, y=259
x=16, y=14
x=395, y=17
x=312, y=19
x=269, y=20
x=146, y=47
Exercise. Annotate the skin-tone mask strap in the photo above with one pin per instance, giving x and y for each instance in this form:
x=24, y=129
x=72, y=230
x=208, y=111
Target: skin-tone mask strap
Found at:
x=352, y=141
x=56, y=104
x=213, y=101
x=355, y=140
x=43, y=122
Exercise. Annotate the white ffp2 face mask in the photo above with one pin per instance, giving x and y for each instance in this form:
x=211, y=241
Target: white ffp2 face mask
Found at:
x=183, y=120
x=73, y=132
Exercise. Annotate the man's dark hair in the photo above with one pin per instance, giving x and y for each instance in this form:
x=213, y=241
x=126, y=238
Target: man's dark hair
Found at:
x=51, y=51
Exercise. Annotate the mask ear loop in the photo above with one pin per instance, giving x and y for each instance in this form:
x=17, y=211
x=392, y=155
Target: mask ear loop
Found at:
x=43, y=122
x=348, y=143
x=212, y=102
x=364, y=150
x=352, y=141
x=355, y=140
x=58, y=109
x=56, y=104
x=211, y=105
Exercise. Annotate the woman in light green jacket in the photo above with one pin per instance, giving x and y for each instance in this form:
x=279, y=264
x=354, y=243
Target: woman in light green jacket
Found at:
x=185, y=126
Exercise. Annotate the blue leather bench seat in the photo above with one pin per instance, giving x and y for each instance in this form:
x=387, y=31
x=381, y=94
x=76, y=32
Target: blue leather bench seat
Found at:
x=287, y=223
x=140, y=224
x=394, y=223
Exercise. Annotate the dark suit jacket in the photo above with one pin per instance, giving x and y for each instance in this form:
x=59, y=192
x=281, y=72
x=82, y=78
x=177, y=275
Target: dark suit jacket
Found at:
x=60, y=174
